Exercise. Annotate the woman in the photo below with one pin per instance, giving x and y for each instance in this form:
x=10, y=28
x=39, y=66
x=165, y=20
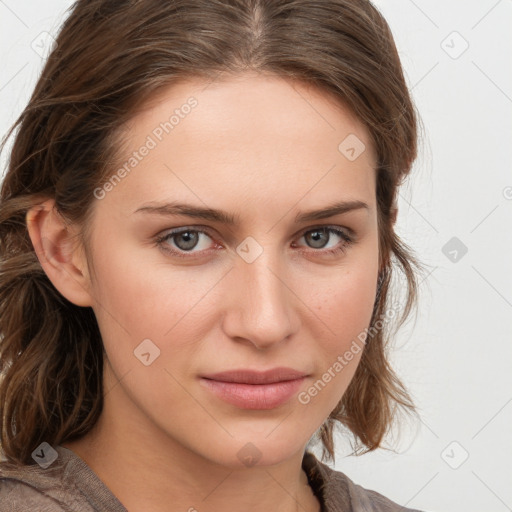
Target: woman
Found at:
x=197, y=247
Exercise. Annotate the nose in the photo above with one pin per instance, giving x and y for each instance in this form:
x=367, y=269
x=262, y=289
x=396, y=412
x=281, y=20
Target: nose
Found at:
x=262, y=308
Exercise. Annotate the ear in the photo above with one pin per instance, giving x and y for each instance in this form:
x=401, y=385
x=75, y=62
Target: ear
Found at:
x=55, y=243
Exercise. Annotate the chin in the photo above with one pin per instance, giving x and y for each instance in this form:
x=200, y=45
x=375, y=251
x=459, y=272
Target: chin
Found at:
x=256, y=450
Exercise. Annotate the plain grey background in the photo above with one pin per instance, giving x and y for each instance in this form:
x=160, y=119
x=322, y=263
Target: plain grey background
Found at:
x=455, y=211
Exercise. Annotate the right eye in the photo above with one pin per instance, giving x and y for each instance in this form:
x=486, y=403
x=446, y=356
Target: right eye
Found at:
x=184, y=240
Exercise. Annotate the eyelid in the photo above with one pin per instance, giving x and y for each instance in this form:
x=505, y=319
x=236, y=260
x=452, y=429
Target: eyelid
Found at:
x=347, y=234
x=161, y=239
x=208, y=230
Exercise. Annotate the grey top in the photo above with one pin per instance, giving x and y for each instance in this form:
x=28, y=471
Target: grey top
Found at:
x=70, y=485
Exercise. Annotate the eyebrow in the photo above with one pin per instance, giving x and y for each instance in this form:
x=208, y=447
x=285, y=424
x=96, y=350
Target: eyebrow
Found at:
x=175, y=208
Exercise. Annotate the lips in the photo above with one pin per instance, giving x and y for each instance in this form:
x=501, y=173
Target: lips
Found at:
x=249, y=389
x=254, y=377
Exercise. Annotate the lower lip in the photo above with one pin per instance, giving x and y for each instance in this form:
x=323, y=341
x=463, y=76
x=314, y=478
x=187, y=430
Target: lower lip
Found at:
x=254, y=396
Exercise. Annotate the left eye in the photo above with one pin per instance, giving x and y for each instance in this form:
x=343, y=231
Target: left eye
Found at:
x=185, y=240
x=319, y=236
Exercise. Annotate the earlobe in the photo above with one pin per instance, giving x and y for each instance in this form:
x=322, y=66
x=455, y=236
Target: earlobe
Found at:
x=55, y=245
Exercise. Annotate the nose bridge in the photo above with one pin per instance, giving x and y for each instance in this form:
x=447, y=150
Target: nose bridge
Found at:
x=262, y=304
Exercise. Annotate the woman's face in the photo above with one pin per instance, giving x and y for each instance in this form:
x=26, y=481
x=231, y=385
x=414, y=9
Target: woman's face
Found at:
x=184, y=296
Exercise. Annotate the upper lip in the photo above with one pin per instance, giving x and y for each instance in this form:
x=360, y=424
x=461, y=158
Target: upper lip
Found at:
x=242, y=376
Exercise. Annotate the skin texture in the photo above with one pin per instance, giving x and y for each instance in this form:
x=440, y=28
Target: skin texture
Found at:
x=262, y=148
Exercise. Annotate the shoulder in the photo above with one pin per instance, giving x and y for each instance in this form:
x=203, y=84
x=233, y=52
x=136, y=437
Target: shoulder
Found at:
x=18, y=496
x=31, y=487
x=26, y=488
x=339, y=493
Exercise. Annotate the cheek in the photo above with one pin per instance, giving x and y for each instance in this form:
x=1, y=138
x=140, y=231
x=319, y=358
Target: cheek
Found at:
x=138, y=290
x=343, y=313
x=136, y=299
x=345, y=303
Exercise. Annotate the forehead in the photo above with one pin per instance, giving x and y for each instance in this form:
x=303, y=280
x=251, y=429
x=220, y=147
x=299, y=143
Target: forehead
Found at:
x=263, y=103
x=248, y=135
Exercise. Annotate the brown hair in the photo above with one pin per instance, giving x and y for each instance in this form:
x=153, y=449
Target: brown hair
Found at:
x=111, y=57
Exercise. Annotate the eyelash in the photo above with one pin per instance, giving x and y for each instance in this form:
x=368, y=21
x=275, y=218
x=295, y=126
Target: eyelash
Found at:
x=161, y=241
